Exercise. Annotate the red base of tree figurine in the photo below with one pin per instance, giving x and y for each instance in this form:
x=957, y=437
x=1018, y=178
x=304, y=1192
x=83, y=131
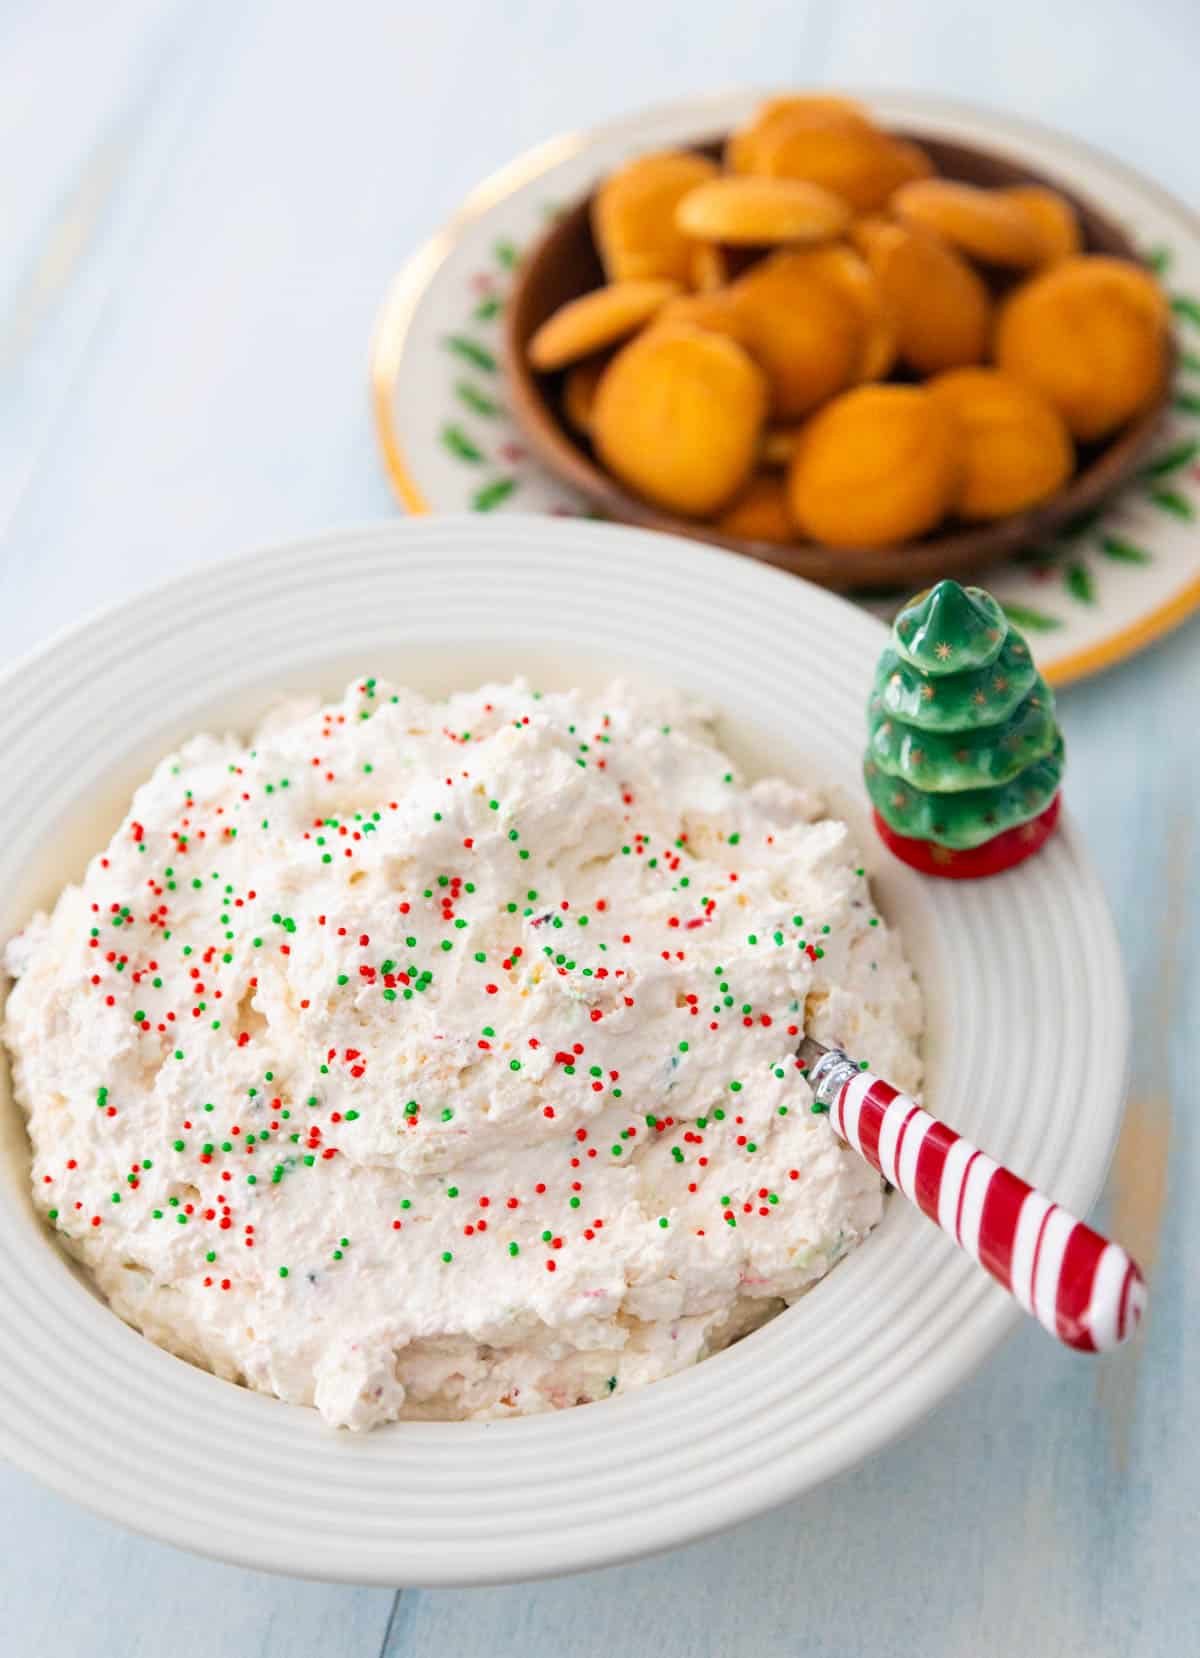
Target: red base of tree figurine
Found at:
x=1002, y=852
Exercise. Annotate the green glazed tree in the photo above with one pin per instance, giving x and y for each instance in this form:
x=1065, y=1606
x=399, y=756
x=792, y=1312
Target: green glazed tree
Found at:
x=963, y=744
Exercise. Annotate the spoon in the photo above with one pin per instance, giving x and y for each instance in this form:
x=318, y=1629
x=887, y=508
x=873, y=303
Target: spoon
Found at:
x=1079, y=1286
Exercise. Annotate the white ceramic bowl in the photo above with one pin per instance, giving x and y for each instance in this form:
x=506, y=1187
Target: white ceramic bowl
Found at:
x=1027, y=1047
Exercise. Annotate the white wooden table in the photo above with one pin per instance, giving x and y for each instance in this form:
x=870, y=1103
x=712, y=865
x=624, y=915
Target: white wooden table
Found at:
x=201, y=202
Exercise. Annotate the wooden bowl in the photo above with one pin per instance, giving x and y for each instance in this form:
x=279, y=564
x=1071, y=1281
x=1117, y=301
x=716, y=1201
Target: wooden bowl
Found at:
x=565, y=264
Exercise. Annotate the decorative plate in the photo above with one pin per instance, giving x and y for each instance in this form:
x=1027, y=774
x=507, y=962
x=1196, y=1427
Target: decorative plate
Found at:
x=1115, y=581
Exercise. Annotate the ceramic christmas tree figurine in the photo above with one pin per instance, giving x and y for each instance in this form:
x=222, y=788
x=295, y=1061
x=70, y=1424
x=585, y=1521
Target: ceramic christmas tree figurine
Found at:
x=964, y=756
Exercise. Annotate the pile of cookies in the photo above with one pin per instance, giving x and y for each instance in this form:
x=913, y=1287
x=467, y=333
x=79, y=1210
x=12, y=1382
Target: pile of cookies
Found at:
x=823, y=340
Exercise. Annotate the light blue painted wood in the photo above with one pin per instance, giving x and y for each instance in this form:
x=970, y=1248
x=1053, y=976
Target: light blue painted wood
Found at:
x=1116, y=75
x=73, y=1585
x=200, y=206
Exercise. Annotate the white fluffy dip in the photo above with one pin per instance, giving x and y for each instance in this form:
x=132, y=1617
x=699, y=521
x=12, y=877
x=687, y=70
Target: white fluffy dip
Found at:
x=436, y=1059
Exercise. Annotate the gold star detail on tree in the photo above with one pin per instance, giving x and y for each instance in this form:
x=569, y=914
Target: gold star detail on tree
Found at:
x=943, y=651
x=927, y=693
x=962, y=755
x=1000, y=684
x=899, y=801
x=917, y=756
x=979, y=698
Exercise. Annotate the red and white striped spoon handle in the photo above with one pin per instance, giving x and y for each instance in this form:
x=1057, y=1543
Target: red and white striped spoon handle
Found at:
x=1083, y=1289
